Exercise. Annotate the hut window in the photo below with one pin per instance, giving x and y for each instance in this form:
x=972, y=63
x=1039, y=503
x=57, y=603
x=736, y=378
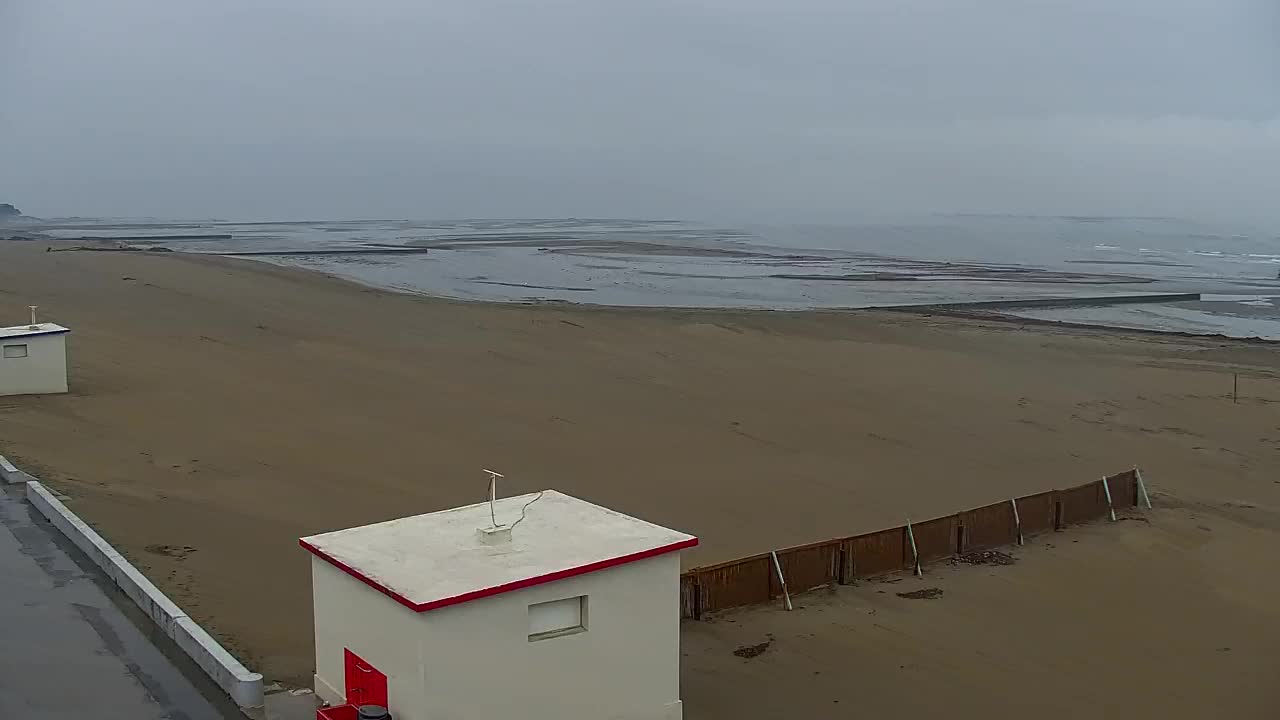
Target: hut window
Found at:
x=15, y=351
x=558, y=617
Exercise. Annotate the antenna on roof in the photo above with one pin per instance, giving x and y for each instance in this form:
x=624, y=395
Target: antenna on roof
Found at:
x=495, y=534
x=33, y=316
x=493, y=495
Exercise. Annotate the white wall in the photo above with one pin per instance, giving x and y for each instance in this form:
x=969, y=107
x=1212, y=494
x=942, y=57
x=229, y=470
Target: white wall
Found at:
x=475, y=660
x=387, y=635
x=44, y=370
x=481, y=664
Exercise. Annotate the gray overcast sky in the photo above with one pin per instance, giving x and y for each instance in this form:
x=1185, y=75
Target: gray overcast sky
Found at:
x=746, y=109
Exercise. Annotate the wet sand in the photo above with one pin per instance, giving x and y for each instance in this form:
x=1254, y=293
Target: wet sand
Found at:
x=641, y=263
x=223, y=408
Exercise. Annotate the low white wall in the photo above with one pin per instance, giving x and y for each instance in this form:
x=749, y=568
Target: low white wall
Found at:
x=11, y=474
x=234, y=678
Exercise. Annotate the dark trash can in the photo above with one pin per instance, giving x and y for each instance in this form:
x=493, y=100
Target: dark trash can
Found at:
x=372, y=712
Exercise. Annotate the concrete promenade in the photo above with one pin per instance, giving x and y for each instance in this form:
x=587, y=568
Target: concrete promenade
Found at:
x=73, y=647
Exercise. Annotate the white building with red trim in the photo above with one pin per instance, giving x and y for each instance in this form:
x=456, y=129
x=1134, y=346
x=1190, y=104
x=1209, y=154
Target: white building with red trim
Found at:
x=33, y=359
x=543, y=606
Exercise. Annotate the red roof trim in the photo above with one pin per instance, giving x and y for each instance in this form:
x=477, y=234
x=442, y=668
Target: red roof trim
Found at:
x=497, y=589
x=359, y=576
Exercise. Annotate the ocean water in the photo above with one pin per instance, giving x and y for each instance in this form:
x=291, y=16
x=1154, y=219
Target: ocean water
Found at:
x=885, y=262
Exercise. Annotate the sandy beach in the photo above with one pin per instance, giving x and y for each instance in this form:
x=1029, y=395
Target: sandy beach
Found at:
x=1165, y=616
x=222, y=408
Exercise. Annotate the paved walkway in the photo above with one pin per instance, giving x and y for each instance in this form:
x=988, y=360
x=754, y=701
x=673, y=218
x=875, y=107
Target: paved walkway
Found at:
x=73, y=647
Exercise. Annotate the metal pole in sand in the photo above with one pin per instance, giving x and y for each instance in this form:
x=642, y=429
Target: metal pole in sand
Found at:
x=1235, y=385
x=911, y=535
x=1017, y=521
x=1142, y=488
x=1111, y=510
x=777, y=567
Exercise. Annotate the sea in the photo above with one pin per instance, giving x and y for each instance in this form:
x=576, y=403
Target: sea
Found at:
x=885, y=262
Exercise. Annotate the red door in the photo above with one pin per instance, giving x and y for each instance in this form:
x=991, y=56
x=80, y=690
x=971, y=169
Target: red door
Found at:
x=365, y=684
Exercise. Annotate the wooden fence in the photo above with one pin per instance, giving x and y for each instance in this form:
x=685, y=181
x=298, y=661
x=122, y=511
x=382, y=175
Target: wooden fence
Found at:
x=754, y=580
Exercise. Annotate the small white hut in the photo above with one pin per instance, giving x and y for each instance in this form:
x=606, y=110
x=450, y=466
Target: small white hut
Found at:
x=33, y=359
x=540, y=606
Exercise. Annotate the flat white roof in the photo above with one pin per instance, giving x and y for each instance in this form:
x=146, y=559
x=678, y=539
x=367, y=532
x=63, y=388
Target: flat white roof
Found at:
x=434, y=560
x=29, y=330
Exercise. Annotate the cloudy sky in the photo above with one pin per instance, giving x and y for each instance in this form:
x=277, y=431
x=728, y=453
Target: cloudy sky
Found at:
x=748, y=109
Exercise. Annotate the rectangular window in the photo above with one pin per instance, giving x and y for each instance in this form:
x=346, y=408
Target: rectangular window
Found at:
x=15, y=351
x=558, y=617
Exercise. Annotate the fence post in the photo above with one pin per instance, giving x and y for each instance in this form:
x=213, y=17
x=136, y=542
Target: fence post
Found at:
x=1142, y=487
x=1057, y=514
x=914, y=552
x=1017, y=521
x=781, y=580
x=849, y=562
x=697, y=598
x=1106, y=489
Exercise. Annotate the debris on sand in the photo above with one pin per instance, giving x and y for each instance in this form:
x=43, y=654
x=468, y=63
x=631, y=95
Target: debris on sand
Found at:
x=984, y=557
x=174, y=551
x=113, y=248
x=925, y=594
x=750, y=651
